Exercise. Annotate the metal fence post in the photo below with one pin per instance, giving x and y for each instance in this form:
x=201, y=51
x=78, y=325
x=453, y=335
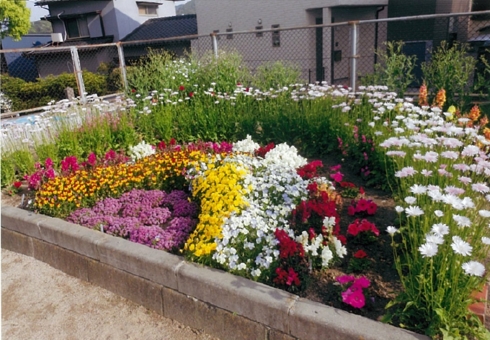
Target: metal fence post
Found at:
x=354, y=37
x=215, y=44
x=122, y=66
x=78, y=73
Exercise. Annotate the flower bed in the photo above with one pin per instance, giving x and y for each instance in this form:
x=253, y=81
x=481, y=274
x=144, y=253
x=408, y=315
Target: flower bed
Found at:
x=265, y=215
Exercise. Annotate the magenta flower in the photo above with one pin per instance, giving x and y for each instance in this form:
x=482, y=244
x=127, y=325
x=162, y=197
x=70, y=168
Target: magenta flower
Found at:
x=345, y=279
x=337, y=177
x=354, y=297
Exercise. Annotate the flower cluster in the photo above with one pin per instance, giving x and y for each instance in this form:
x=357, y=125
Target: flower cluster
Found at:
x=154, y=218
x=59, y=196
x=141, y=150
x=362, y=207
x=41, y=175
x=292, y=265
x=363, y=231
x=353, y=293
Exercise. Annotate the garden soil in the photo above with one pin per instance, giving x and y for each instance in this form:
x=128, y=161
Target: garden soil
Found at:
x=323, y=287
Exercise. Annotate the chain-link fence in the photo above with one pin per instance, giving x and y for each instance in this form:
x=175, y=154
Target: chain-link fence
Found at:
x=339, y=53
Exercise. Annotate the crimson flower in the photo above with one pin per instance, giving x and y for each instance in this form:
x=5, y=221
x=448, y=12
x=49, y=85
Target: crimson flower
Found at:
x=191, y=94
x=360, y=254
x=292, y=277
x=17, y=184
x=181, y=88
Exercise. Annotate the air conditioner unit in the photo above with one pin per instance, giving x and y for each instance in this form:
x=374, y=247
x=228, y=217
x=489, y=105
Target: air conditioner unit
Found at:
x=56, y=37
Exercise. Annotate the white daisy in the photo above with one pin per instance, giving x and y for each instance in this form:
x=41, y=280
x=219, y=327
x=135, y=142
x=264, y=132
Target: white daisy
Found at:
x=440, y=229
x=391, y=230
x=462, y=221
x=414, y=211
x=428, y=249
x=438, y=213
x=461, y=247
x=485, y=240
x=410, y=199
x=474, y=268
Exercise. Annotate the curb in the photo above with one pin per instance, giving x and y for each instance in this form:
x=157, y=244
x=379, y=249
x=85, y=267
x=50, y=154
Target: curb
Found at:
x=217, y=302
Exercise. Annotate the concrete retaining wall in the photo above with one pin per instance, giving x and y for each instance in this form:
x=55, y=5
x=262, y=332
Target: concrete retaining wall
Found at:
x=217, y=302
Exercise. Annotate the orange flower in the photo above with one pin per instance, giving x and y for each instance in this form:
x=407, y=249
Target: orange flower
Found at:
x=484, y=121
x=423, y=95
x=474, y=113
x=440, y=98
x=486, y=133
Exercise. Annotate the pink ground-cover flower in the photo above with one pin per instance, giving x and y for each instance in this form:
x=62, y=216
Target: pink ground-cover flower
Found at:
x=354, y=294
x=354, y=297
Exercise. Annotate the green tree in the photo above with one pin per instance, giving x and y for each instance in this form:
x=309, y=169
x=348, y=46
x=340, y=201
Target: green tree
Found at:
x=14, y=18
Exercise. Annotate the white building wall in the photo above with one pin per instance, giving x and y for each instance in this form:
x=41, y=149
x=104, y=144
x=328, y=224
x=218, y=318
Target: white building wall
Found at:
x=298, y=46
x=128, y=17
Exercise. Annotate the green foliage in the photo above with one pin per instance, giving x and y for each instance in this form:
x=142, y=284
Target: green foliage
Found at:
x=26, y=95
x=14, y=19
x=450, y=69
x=40, y=27
x=394, y=69
x=276, y=75
x=7, y=171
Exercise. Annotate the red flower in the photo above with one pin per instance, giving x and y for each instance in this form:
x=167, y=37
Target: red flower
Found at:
x=17, y=184
x=361, y=190
x=161, y=145
x=172, y=141
x=292, y=277
x=362, y=205
x=133, y=90
x=351, y=210
x=181, y=88
x=371, y=209
x=360, y=254
x=191, y=94
x=342, y=239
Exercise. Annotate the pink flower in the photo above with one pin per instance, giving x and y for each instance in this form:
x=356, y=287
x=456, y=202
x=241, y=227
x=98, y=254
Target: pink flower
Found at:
x=354, y=297
x=336, y=167
x=292, y=277
x=345, y=279
x=362, y=282
x=337, y=177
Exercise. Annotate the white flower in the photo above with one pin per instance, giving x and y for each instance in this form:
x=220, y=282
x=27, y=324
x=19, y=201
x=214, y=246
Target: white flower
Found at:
x=326, y=256
x=428, y=249
x=399, y=209
x=474, y=268
x=461, y=247
x=391, y=230
x=414, y=211
x=438, y=213
x=246, y=145
x=417, y=189
x=484, y=213
x=434, y=238
x=339, y=248
x=410, y=199
x=462, y=221
x=485, y=240
x=141, y=150
x=480, y=187
x=440, y=229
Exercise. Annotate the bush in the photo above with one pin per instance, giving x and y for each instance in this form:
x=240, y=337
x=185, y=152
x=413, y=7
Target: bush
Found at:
x=275, y=75
x=26, y=95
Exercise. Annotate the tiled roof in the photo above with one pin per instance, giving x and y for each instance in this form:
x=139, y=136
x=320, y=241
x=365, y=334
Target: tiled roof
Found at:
x=167, y=27
x=71, y=42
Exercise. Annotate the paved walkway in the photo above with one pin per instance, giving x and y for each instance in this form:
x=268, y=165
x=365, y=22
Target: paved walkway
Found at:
x=40, y=302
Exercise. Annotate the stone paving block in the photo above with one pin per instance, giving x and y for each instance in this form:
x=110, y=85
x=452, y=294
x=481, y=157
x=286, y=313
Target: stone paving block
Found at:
x=17, y=242
x=22, y=221
x=312, y=320
x=71, y=236
x=250, y=299
x=138, y=290
x=210, y=319
x=155, y=265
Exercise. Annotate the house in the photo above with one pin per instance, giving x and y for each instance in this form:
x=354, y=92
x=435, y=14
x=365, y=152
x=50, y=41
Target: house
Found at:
x=76, y=19
x=79, y=23
x=149, y=35
x=321, y=53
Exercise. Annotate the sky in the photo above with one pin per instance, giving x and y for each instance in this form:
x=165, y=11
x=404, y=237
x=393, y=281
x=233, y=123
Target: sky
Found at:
x=36, y=11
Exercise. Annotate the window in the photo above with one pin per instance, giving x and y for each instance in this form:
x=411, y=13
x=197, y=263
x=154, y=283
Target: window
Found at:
x=229, y=36
x=77, y=27
x=148, y=9
x=276, y=37
x=258, y=34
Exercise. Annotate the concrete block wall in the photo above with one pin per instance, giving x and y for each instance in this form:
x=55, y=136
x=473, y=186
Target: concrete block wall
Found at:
x=221, y=304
